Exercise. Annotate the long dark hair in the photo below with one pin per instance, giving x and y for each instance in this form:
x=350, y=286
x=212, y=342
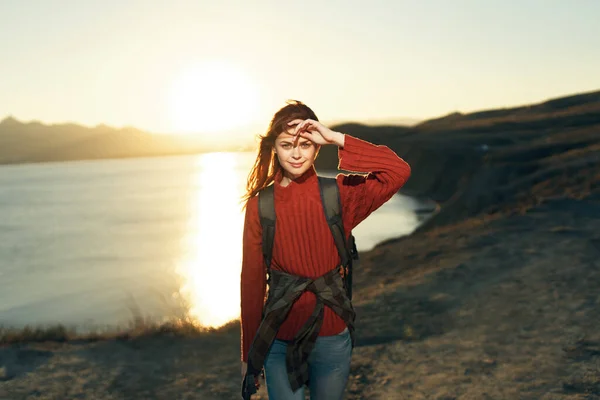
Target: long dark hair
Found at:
x=267, y=165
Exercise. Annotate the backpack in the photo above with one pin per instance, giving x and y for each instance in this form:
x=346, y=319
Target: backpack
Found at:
x=332, y=207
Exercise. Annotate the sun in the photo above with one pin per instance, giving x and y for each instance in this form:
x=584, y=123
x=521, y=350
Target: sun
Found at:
x=212, y=97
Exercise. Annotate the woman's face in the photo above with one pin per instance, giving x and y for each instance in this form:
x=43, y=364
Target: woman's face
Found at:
x=296, y=155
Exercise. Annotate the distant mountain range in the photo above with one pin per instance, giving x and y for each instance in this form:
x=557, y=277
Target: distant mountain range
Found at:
x=23, y=142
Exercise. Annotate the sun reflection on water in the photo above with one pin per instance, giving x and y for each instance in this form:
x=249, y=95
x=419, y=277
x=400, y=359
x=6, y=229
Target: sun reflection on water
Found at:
x=210, y=268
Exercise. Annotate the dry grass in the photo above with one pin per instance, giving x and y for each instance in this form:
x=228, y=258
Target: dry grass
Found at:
x=138, y=328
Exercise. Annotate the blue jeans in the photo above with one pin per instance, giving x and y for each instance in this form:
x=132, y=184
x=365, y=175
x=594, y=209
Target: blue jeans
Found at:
x=329, y=367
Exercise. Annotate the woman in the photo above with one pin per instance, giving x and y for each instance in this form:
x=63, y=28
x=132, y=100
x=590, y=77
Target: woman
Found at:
x=304, y=254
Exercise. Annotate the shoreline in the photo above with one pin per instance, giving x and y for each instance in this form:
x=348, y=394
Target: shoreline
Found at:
x=63, y=332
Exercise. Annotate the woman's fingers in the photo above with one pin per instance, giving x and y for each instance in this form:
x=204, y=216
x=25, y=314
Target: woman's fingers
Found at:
x=306, y=135
x=297, y=121
x=314, y=137
x=304, y=128
x=300, y=127
x=293, y=126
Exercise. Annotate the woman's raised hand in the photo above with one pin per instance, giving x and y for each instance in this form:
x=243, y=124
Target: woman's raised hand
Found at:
x=316, y=132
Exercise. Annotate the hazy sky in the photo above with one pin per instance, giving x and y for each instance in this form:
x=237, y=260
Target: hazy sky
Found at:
x=120, y=62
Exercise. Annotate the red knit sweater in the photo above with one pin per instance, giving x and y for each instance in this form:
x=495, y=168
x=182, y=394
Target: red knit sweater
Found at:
x=303, y=242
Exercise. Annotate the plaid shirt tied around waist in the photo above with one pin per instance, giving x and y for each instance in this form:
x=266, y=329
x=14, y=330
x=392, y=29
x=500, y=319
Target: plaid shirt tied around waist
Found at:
x=284, y=290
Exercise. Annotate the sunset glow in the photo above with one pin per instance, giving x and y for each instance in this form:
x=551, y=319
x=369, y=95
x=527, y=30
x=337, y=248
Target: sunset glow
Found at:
x=212, y=97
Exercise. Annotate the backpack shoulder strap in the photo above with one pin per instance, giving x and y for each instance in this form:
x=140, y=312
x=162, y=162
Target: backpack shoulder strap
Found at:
x=330, y=197
x=266, y=211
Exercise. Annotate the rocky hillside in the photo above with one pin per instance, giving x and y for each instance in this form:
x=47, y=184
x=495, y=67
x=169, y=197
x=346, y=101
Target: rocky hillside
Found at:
x=497, y=159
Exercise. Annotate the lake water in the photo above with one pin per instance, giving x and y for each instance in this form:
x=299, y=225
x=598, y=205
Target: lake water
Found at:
x=91, y=244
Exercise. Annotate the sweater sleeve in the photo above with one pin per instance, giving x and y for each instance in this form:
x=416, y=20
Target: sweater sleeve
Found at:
x=253, y=277
x=385, y=172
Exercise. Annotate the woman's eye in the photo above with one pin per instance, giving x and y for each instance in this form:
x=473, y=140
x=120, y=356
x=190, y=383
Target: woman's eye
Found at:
x=306, y=145
x=285, y=146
